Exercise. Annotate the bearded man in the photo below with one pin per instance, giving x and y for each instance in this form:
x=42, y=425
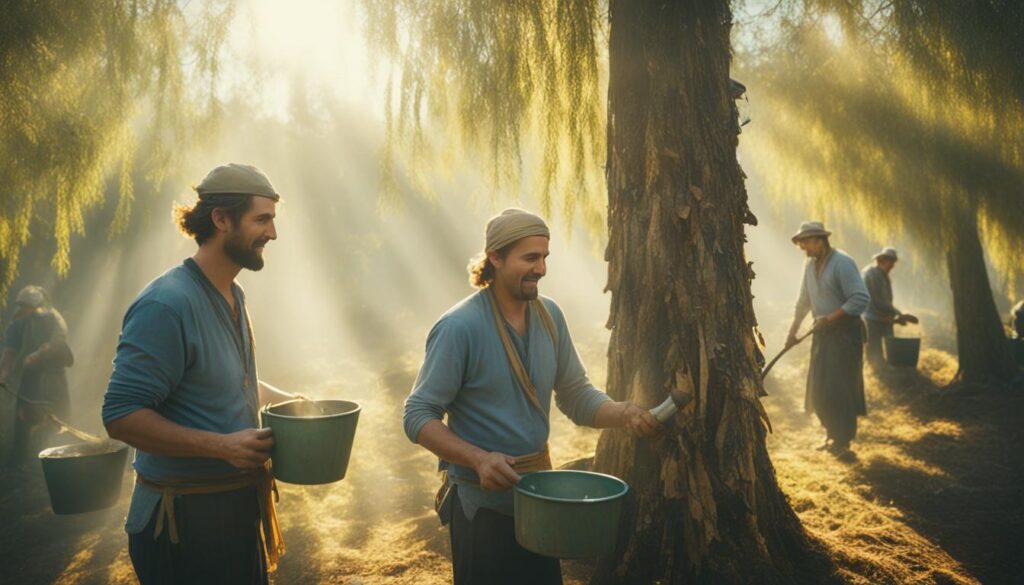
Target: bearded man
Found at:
x=185, y=393
x=493, y=363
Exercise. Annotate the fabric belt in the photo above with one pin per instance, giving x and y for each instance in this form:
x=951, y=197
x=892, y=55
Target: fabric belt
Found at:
x=539, y=461
x=266, y=493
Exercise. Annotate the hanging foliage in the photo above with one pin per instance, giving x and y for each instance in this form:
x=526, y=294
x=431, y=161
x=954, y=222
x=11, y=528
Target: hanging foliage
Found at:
x=80, y=84
x=499, y=78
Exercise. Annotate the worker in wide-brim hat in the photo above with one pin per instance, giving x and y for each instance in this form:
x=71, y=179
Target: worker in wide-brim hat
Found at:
x=184, y=392
x=833, y=291
x=493, y=363
x=881, y=315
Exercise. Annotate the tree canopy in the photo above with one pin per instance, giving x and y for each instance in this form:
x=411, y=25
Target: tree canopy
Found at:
x=907, y=114
x=489, y=71
x=81, y=84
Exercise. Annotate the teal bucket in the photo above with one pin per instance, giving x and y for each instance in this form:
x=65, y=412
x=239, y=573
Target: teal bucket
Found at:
x=569, y=514
x=84, y=477
x=312, y=439
x=902, y=351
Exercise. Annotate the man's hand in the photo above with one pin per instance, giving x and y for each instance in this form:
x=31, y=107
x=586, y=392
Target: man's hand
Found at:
x=820, y=323
x=248, y=449
x=496, y=471
x=791, y=340
x=639, y=422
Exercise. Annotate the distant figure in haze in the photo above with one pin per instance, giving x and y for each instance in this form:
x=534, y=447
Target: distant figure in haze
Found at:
x=35, y=355
x=492, y=363
x=184, y=392
x=881, y=314
x=833, y=291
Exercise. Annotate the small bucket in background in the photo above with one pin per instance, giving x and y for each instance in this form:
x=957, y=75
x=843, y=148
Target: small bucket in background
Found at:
x=84, y=477
x=902, y=351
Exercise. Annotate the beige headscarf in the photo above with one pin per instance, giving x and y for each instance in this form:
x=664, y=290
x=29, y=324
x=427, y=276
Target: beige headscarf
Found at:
x=511, y=225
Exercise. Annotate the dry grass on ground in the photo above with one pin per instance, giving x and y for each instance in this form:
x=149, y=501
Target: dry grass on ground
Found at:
x=932, y=496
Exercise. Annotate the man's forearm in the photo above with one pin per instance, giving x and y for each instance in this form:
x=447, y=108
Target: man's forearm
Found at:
x=148, y=431
x=441, y=441
x=269, y=394
x=610, y=415
x=836, y=315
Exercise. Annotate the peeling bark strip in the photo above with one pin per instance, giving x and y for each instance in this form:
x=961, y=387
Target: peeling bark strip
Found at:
x=706, y=506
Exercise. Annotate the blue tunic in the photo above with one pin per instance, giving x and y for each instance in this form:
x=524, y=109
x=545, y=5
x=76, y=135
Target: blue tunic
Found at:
x=183, y=355
x=839, y=285
x=466, y=374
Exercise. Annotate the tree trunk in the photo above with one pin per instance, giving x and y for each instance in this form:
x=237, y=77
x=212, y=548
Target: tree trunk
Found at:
x=984, y=353
x=705, y=503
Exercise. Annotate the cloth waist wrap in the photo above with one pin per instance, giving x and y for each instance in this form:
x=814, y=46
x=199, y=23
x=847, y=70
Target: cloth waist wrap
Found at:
x=266, y=494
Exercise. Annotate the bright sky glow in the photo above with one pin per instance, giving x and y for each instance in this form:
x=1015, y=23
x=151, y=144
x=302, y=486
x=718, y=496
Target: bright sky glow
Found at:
x=276, y=49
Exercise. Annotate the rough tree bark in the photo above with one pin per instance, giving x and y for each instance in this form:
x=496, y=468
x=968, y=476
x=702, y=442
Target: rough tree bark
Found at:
x=983, y=350
x=705, y=505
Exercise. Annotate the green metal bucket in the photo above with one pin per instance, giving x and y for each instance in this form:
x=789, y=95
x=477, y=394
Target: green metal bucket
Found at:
x=569, y=514
x=84, y=477
x=902, y=351
x=312, y=439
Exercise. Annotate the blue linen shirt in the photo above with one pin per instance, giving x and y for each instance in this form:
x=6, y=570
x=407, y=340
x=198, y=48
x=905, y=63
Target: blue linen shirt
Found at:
x=839, y=285
x=182, y=354
x=466, y=374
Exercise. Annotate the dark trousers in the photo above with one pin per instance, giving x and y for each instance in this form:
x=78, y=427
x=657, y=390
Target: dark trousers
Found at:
x=485, y=552
x=219, y=543
x=876, y=331
x=835, y=381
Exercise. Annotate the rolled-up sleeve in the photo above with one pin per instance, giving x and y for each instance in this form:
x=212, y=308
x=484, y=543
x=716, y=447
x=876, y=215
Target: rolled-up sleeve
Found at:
x=150, y=360
x=440, y=377
x=575, y=395
x=854, y=290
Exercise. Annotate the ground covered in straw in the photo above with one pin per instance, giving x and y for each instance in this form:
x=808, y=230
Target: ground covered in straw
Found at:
x=932, y=495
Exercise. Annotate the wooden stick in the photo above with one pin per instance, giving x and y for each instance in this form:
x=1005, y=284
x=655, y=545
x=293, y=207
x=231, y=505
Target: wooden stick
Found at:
x=783, y=352
x=63, y=426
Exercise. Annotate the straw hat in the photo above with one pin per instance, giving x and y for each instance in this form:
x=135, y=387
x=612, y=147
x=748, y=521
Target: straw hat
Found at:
x=810, y=229
x=31, y=296
x=887, y=252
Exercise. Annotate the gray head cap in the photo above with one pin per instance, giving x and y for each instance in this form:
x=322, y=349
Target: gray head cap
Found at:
x=236, y=179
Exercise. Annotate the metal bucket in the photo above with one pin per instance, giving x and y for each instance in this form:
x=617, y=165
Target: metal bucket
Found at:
x=312, y=439
x=902, y=351
x=84, y=477
x=569, y=514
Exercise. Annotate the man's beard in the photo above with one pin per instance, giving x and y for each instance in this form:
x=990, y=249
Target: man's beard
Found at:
x=244, y=255
x=527, y=295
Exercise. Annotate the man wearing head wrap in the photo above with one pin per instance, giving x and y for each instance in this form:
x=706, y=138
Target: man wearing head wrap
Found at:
x=493, y=363
x=185, y=393
x=35, y=353
x=833, y=291
x=881, y=314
